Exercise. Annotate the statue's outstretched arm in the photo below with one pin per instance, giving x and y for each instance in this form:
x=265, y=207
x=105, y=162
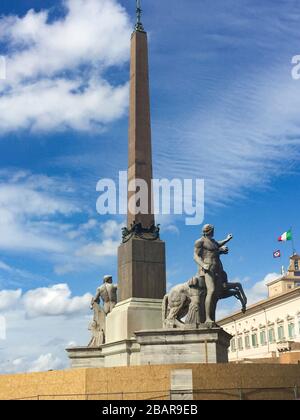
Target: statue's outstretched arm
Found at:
x=225, y=241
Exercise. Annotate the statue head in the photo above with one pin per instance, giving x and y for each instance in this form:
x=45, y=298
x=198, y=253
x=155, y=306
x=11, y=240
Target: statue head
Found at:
x=208, y=230
x=108, y=279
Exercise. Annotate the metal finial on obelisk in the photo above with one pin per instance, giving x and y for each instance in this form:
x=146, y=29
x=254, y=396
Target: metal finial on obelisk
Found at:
x=139, y=26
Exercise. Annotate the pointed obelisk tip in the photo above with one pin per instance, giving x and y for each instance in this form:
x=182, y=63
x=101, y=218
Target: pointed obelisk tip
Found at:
x=139, y=26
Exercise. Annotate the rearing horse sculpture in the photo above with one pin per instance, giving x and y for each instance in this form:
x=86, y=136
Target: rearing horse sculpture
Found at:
x=188, y=301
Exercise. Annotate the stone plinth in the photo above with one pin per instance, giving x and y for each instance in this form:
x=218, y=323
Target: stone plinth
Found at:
x=122, y=353
x=141, y=269
x=133, y=315
x=173, y=346
x=86, y=357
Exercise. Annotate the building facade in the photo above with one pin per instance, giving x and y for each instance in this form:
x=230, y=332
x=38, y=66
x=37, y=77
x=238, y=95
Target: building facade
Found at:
x=271, y=327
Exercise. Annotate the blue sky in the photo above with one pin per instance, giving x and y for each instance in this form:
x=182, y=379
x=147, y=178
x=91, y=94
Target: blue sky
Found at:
x=224, y=108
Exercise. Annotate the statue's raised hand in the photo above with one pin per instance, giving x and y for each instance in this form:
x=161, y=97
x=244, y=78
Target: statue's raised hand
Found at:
x=229, y=237
x=224, y=250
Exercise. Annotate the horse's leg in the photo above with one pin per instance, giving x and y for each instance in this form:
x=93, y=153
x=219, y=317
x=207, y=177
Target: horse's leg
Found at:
x=234, y=293
x=240, y=297
x=240, y=289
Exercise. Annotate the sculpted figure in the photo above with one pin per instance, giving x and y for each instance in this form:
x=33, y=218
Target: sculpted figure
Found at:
x=97, y=326
x=207, y=255
x=107, y=293
x=182, y=301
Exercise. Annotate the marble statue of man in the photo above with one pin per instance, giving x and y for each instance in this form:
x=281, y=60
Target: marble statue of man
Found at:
x=207, y=255
x=107, y=294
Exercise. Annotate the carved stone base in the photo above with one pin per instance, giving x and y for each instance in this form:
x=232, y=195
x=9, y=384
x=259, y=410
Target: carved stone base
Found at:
x=179, y=346
x=122, y=353
x=85, y=357
x=141, y=269
x=133, y=315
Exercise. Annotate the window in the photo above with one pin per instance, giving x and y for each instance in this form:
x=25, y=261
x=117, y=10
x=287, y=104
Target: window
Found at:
x=263, y=338
x=247, y=341
x=280, y=332
x=291, y=329
x=272, y=335
x=232, y=345
x=296, y=265
x=240, y=343
x=254, y=340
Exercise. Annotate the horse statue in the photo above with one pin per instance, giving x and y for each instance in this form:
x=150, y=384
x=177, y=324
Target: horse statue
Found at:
x=188, y=301
x=184, y=300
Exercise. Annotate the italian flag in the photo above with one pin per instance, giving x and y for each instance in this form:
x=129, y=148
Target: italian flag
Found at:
x=287, y=236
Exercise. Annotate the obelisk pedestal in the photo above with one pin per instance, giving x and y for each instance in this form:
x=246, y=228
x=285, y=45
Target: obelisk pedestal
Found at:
x=142, y=269
x=142, y=286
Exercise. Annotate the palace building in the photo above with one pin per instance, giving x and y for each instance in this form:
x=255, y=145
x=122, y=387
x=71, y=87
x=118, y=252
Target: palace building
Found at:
x=270, y=329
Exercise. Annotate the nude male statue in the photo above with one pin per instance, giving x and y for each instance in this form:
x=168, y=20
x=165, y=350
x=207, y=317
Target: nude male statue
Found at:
x=107, y=293
x=207, y=255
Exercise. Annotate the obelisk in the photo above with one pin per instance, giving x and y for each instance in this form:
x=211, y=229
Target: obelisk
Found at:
x=141, y=256
x=139, y=150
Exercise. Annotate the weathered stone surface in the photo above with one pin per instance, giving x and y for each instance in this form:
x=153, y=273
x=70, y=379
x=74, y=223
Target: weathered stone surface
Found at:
x=130, y=316
x=85, y=357
x=140, y=149
x=142, y=269
x=122, y=353
x=183, y=346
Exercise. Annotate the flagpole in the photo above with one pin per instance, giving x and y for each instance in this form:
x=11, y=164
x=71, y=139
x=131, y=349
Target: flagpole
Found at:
x=293, y=242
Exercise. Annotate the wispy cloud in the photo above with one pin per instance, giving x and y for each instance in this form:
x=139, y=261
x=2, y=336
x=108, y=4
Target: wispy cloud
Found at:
x=27, y=203
x=242, y=140
x=43, y=217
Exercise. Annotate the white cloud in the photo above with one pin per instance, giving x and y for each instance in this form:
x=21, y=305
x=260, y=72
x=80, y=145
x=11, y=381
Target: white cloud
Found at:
x=260, y=291
x=112, y=229
x=37, y=343
x=9, y=299
x=98, y=251
x=54, y=301
x=46, y=362
x=95, y=251
x=56, y=68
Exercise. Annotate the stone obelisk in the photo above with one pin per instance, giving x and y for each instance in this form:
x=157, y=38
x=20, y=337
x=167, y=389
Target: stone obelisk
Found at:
x=141, y=256
x=139, y=150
